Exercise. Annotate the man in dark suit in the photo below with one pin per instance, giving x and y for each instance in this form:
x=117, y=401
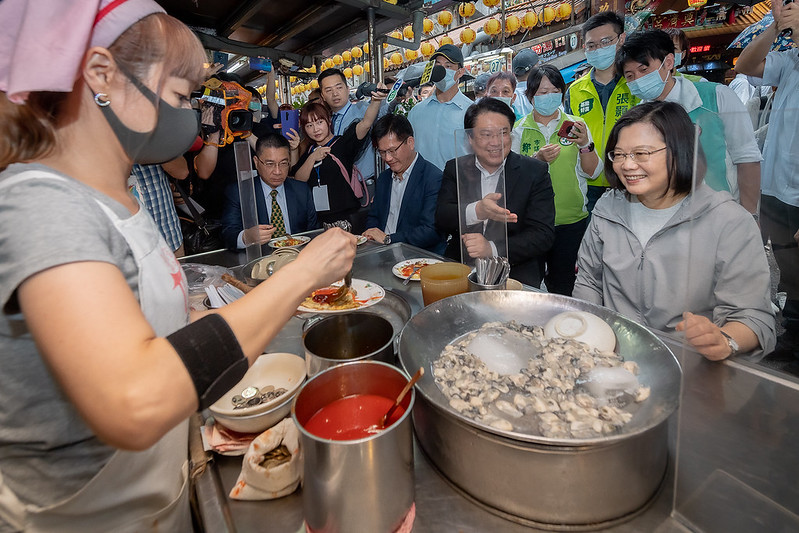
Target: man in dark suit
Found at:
x=526, y=204
x=406, y=194
x=284, y=206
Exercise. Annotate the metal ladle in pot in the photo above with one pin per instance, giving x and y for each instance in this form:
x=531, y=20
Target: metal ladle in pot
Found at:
x=416, y=377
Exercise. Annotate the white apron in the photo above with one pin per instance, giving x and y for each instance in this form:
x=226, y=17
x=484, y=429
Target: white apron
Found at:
x=134, y=491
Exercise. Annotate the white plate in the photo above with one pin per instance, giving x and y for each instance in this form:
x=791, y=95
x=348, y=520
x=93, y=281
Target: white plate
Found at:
x=367, y=294
x=426, y=260
x=275, y=243
x=361, y=239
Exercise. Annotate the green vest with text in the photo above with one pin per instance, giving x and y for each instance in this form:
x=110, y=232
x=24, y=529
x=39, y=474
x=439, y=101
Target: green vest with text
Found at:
x=585, y=104
x=711, y=135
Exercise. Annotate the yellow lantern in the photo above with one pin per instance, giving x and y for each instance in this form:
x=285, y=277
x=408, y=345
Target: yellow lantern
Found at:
x=366, y=48
x=346, y=56
x=407, y=32
x=337, y=59
x=410, y=55
x=314, y=84
x=348, y=73
x=529, y=20
x=427, y=49
x=468, y=35
x=547, y=15
x=329, y=63
x=466, y=9
x=366, y=67
x=445, y=18
x=512, y=24
x=396, y=58
x=357, y=70
x=564, y=10
x=396, y=34
x=357, y=52
x=492, y=27
x=312, y=70
x=427, y=25
x=292, y=79
x=696, y=4
x=293, y=91
x=491, y=3
x=446, y=40
x=385, y=63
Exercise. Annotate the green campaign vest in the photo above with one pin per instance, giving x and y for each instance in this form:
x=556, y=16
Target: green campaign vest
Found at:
x=569, y=195
x=691, y=77
x=585, y=104
x=712, y=135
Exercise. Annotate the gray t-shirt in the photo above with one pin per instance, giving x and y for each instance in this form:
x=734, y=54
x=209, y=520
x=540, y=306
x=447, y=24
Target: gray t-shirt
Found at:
x=47, y=452
x=645, y=222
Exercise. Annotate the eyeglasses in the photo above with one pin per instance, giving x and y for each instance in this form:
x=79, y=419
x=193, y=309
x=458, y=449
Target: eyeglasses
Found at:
x=491, y=134
x=271, y=165
x=636, y=156
x=606, y=41
x=393, y=151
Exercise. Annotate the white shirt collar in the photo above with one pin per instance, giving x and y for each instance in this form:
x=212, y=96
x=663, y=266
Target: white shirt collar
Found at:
x=485, y=174
x=407, y=173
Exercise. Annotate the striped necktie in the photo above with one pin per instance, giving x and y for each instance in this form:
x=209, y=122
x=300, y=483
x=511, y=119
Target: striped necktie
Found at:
x=277, y=217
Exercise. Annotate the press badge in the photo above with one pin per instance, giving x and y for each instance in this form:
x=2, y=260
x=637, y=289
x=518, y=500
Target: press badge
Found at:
x=320, y=199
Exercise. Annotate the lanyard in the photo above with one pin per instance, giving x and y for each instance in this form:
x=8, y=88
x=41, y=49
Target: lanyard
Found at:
x=341, y=119
x=319, y=165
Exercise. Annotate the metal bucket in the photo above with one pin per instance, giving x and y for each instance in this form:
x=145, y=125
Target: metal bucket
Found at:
x=364, y=485
x=567, y=484
x=345, y=338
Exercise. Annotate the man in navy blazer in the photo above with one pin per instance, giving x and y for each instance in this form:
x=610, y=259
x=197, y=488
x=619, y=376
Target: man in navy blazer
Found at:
x=406, y=195
x=272, y=161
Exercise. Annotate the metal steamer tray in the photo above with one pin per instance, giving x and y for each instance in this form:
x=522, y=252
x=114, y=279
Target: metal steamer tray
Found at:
x=561, y=484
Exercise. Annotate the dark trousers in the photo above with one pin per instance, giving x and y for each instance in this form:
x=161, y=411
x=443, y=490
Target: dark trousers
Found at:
x=592, y=195
x=562, y=257
x=780, y=222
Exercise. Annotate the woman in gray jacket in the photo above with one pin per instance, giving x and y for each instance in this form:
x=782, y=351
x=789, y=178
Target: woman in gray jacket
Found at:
x=670, y=257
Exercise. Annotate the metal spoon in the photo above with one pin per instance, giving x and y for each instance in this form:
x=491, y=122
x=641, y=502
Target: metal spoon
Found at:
x=413, y=272
x=416, y=377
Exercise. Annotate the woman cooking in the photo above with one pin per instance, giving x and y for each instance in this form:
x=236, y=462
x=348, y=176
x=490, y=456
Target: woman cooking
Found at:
x=327, y=165
x=102, y=362
x=672, y=255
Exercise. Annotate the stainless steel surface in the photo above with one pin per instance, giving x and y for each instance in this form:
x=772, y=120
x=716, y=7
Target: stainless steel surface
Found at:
x=347, y=337
x=475, y=286
x=363, y=485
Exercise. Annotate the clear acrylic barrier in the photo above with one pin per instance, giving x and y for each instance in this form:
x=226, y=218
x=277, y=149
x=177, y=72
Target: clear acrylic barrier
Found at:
x=480, y=177
x=737, y=453
x=247, y=180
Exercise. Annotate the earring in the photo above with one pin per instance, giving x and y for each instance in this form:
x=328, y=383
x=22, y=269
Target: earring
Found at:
x=101, y=99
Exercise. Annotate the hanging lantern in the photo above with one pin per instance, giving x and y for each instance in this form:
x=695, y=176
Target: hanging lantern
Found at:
x=512, y=24
x=366, y=67
x=468, y=35
x=293, y=91
x=466, y=9
x=407, y=32
x=492, y=27
x=427, y=49
x=357, y=70
x=547, y=15
x=329, y=63
x=491, y=3
x=386, y=63
x=337, y=60
x=396, y=34
x=322, y=67
x=314, y=84
x=348, y=73
x=446, y=40
x=396, y=58
x=565, y=9
x=356, y=52
x=411, y=55
x=292, y=79
x=346, y=56
x=445, y=18
x=427, y=26
x=529, y=20
x=366, y=48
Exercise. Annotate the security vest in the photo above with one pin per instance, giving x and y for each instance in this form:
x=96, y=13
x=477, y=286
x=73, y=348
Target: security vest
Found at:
x=570, y=189
x=712, y=135
x=585, y=104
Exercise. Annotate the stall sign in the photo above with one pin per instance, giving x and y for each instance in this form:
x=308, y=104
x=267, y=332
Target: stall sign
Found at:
x=713, y=16
x=608, y=5
x=549, y=50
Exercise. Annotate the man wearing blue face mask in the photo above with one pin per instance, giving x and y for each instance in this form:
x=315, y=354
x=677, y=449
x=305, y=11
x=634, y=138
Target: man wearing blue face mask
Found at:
x=601, y=96
x=436, y=119
x=682, y=49
x=646, y=60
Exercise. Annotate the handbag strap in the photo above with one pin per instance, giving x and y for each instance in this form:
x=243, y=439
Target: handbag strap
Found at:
x=198, y=218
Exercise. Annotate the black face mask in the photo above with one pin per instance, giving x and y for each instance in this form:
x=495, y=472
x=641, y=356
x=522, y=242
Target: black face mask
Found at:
x=174, y=133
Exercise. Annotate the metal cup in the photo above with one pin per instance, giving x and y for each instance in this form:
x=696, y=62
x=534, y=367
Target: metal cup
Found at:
x=363, y=485
x=475, y=286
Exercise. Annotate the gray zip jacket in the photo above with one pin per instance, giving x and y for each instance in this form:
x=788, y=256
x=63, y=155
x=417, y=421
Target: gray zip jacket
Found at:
x=708, y=259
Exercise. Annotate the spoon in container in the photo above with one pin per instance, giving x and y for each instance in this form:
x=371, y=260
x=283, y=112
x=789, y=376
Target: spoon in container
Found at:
x=416, y=377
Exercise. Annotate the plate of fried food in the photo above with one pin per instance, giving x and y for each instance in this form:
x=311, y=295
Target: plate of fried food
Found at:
x=334, y=299
x=289, y=241
x=404, y=269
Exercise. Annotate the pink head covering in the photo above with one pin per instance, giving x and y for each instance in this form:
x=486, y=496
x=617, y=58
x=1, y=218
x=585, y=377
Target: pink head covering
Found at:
x=42, y=42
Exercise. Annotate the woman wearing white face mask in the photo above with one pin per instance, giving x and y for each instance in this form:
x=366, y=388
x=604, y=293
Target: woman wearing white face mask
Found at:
x=572, y=161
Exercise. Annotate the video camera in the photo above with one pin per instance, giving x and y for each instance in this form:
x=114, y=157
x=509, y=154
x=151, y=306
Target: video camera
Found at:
x=231, y=103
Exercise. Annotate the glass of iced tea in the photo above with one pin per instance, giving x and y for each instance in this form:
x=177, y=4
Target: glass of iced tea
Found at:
x=442, y=280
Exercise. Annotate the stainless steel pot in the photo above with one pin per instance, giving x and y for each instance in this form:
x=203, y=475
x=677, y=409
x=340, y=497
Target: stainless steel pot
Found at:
x=347, y=337
x=554, y=483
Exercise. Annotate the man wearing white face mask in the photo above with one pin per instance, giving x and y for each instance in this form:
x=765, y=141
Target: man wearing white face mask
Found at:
x=601, y=96
x=436, y=119
x=646, y=60
x=502, y=86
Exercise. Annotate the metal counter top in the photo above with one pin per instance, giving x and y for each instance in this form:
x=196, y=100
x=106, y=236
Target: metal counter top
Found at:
x=737, y=447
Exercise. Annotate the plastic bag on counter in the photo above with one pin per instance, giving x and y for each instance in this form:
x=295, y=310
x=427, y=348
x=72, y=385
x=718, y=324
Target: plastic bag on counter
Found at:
x=200, y=276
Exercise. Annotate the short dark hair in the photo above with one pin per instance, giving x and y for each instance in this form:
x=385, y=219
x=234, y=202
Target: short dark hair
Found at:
x=487, y=105
x=549, y=72
x=502, y=75
x=644, y=46
x=396, y=124
x=685, y=44
x=254, y=92
x=606, y=17
x=271, y=140
x=678, y=132
x=330, y=72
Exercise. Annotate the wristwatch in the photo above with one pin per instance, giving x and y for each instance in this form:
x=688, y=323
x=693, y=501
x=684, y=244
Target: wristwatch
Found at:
x=731, y=343
x=387, y=239
x=586, y=149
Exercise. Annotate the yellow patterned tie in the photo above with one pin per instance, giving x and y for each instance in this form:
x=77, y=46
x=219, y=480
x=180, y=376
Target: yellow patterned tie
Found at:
x=277, y=217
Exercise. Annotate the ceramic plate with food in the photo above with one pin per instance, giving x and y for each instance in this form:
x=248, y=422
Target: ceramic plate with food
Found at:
x=362, y=294
x=289, y=241
x=403, y=269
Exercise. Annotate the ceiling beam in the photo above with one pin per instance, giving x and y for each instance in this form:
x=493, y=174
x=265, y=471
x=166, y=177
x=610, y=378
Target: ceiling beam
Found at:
x=223, y=44
x=239, y=16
